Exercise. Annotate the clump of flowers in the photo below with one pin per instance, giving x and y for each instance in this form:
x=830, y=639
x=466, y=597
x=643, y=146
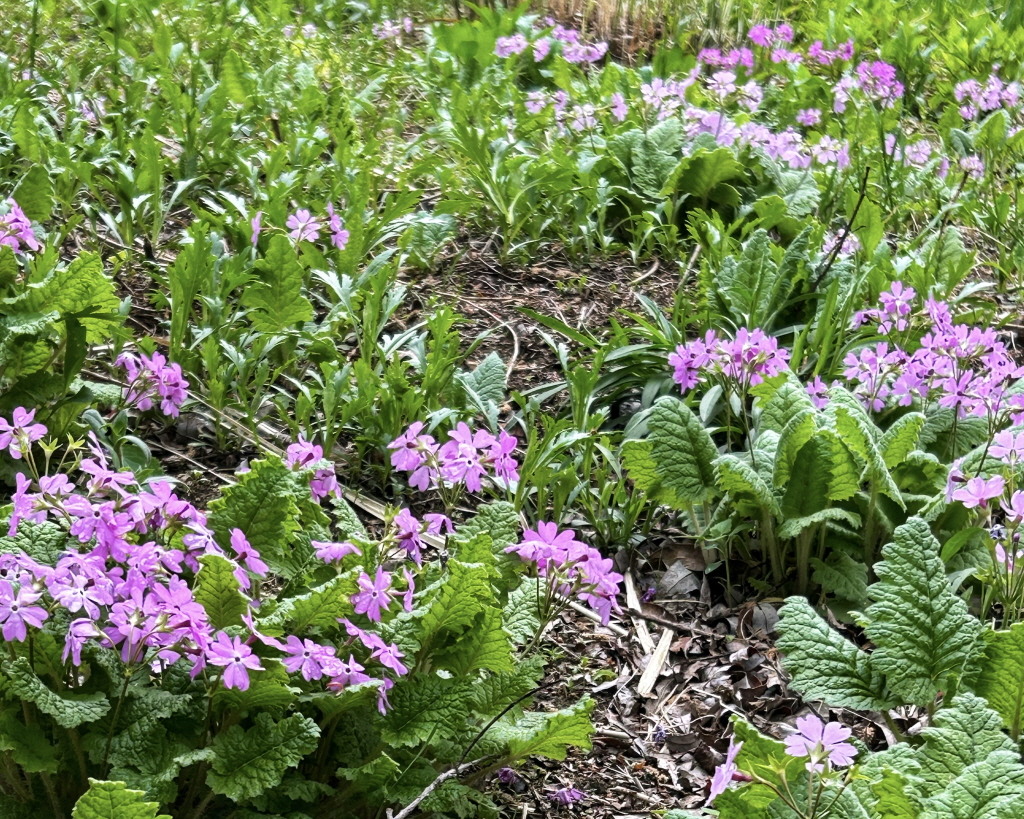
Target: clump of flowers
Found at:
x=16, y=229
x=303, y=455
x=743, y=361
x=467, y=459
x=152, y=382
x=570, y=568
x=305, y=226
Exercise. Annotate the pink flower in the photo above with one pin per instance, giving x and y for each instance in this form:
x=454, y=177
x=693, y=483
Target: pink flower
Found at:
x=373, y=596
x=821, y=742
x=303, y=226
x=330, y=552
x=308, y=658
x=726, y=772
x=1015, y=508
x=979, y=491
x=1008, y=446
x=16, y=229
x=17, y=611
x=339, y=236
x=235, y=658
x=256, y=223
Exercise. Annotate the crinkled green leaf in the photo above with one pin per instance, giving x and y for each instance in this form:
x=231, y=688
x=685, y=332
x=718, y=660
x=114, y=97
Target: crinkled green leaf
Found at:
x=841, y=575
x=901, y=439
x=824, y=665
x=798, y=431
x=219, y=592
x=275, y=300
x=487, y=379
x=923, y=632
x=113, y=800
x=990, y=789
x=372, y=778
x=34, y=194
x=262, y=505
x=737, y=477
x=483, y=645
x=683, y=453
x=250, y=761
x=425, y=706
x=44, y=542
x=1001, y=678
x=78, y=287
x=964, y=733
x=319, y=609
x=498, y=519
x=68, y=710
x=269, y=690
x=28, y=747
x=464, y=594
x=233, y=77
x=549, y=734
x=522, y=617
x=793, y=526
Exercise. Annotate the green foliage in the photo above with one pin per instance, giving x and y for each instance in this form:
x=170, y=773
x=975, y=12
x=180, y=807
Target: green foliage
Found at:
x=112, y=800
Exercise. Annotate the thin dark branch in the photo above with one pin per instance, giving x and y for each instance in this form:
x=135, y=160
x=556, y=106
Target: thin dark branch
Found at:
x=834, y=253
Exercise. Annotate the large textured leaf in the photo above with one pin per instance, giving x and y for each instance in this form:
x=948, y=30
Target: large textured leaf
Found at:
x=465, y=593
x=44, y=542
x=34, y=194
x=923, y=632
x=113, y=800
x=498, y=519
x=901, y=439
x=68, y=710
x=737, y=477
x=79, y=287
x=799, y=429
x=487, y=380
x=219, y=592
x=483, y=645
x=550, y=735
x=683, y=453
x=28, y=747
x=275, y=300
x=522, y=618
x=788, y=400
x=1001, y=680
x=990, y=789
x=317, y=610
x=859, y=433
x=262, y=505
x=249, y=762
x=824, y=665
x=425, y=706
x=233, y=77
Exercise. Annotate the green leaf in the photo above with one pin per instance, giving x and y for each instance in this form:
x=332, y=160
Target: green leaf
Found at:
x=25, y=132
x=425, y=706
x=737, y=477
x=487, y=380
x=901, y=439
x=262, y=505
x=824, y=665
x=799, y=429
x=28, y=747
x=464, y=594
x=269, y=690
x=275, y=299
x=842, y=576
x=483, y=645
x=34, y=194
x=963, y=733
x=372, y=778
x=68, y=710
x=551, y=735
x=233, y=77
x=249, y=762
x=82, y=288
x=704, y=171
x=522, y=617
x=44, y=542
x=788, y=400
x=923, y=632
x=318, y=609
x=113, y=800
x=683, y=453
x=990, y=789
x=219, y=591
x=1001, y=680
x=498, y=519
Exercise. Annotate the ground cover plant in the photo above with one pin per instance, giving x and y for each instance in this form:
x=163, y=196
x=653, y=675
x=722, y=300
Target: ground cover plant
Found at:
x=375, y=378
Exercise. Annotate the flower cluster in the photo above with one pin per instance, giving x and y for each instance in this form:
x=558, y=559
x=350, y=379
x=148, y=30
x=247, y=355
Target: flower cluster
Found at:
x=978, y=98
x=153, y=381
x=746, y=360
x=957, y=366
x=393, y=29
x=129, y=584
x=465, y=459
x=572, y=567
x=304, y=226
x=566, y=41
x=16, y=229
x=303, y=455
